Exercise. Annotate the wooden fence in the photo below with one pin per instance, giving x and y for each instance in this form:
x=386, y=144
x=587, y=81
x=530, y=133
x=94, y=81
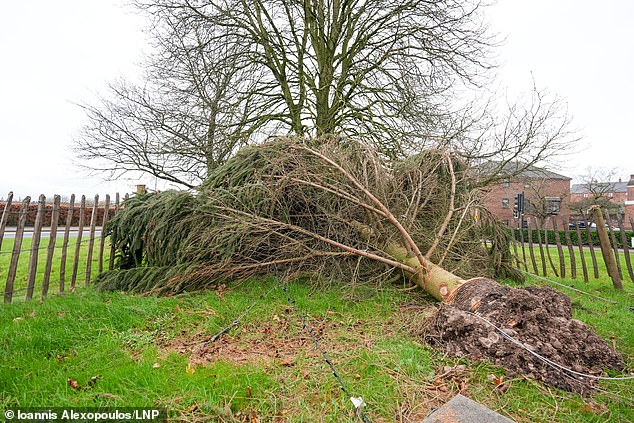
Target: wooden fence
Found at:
x=548, y=246
x=555, y=246
x=55, y=220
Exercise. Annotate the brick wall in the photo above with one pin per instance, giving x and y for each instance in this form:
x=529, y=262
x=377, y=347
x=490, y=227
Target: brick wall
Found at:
x=629, y=203
x=617, y=197
x=501, y=194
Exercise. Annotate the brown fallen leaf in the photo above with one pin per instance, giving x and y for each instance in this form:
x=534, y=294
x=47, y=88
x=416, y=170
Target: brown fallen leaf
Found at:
x=73, y=384
x=497, y=380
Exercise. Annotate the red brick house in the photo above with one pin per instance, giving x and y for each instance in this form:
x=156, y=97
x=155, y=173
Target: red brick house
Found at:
x=629, y=204
x=618, y=194
x=615, y=192
x=545, y=193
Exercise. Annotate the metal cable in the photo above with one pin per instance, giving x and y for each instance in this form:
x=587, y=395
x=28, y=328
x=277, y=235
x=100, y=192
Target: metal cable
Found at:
x=319, y=348
x=236, y=321
x=544, y=359
x=577, y=290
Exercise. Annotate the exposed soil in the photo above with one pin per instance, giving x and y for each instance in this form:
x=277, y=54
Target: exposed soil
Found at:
x=539, y=317
x=230, y=348
x=275, y=340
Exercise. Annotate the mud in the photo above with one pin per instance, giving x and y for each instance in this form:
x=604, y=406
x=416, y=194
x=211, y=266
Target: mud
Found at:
x=538, y=317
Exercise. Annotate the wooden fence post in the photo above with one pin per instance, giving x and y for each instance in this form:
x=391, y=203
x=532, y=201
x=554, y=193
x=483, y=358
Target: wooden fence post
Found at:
x=15, y=255
x=91, y=242
x=104, y=222
x=615, y=245
x=82, y=208
x=51, y=246
x=606, y=251
x=522, y=241
x=35, y=247
x=530, y=245
x=5, y=216
x=62, y=265
x=562, y=262
x=595, y=266
x=626, y=248
x=571, y=250
x=541, y=246
x=112, y=246
x=582, y=256
x=547, y=247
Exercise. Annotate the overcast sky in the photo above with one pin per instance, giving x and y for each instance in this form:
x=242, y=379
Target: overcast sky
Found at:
x=54, y=53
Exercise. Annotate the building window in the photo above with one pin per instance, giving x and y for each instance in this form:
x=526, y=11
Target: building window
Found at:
x=552, y=205
x=585, y=195
x=506, y=222
x=610, y=194
x=506, y=183
x=505, y=203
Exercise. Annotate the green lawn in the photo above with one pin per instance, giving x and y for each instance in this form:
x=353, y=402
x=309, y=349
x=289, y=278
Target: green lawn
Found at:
x=23, y=264
x=146, y=351
x=554, y=255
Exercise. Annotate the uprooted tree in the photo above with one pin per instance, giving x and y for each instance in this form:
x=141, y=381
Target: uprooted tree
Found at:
x=337, y=208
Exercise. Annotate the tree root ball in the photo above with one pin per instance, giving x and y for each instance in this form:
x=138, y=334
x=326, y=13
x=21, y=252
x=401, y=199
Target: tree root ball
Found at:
x=540, y=318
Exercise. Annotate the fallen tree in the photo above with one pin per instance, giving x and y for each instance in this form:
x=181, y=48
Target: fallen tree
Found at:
x=336, y=208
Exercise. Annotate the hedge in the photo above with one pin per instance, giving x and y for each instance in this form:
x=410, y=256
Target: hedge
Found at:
x=573, y=236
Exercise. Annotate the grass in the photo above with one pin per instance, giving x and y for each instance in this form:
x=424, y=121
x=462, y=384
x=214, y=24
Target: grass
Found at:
x=578, y=265
x=20, y=283
x=147, y=351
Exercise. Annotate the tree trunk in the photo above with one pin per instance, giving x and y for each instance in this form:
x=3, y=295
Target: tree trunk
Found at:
x=606, y=250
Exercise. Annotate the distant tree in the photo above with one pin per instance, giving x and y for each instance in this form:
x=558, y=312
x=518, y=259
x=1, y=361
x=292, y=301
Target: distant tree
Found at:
x=533, y=130
x=598, y=184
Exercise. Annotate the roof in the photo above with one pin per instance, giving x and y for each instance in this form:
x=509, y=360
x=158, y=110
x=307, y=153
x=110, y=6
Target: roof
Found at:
x=599, y=187
x=519, y=170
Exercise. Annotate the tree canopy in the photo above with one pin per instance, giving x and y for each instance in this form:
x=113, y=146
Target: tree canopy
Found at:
x=401, y=76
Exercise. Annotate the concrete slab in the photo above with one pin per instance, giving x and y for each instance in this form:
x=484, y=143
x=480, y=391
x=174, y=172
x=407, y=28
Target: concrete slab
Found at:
x=461, y=409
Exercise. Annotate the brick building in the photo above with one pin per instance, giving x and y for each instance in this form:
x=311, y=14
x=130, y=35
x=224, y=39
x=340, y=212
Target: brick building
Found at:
x=545, y=193
x=629, y=203
x=619, y=194
x=615, y=192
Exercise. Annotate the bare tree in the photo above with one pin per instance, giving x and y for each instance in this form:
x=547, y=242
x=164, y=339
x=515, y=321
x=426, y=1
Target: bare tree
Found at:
x=182, y=122
x=534, y=129
x=230, y=72
x=597, y=184
x=354, y=67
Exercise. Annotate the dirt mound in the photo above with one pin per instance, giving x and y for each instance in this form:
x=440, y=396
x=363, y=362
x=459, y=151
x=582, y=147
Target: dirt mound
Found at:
x=538, y=317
